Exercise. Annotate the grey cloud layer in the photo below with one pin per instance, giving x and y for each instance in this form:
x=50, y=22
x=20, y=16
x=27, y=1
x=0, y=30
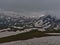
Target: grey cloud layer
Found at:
x=32, y=7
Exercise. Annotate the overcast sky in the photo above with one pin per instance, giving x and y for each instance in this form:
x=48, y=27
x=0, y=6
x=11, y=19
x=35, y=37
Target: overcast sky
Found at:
x=30, y=5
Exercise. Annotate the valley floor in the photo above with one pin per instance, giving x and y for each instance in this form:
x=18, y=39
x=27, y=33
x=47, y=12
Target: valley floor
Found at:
x=50, y=40
x=33, y=37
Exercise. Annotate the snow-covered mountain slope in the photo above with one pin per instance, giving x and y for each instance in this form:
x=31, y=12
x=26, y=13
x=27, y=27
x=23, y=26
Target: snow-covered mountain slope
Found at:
x=48, y=22
x=44, y=21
